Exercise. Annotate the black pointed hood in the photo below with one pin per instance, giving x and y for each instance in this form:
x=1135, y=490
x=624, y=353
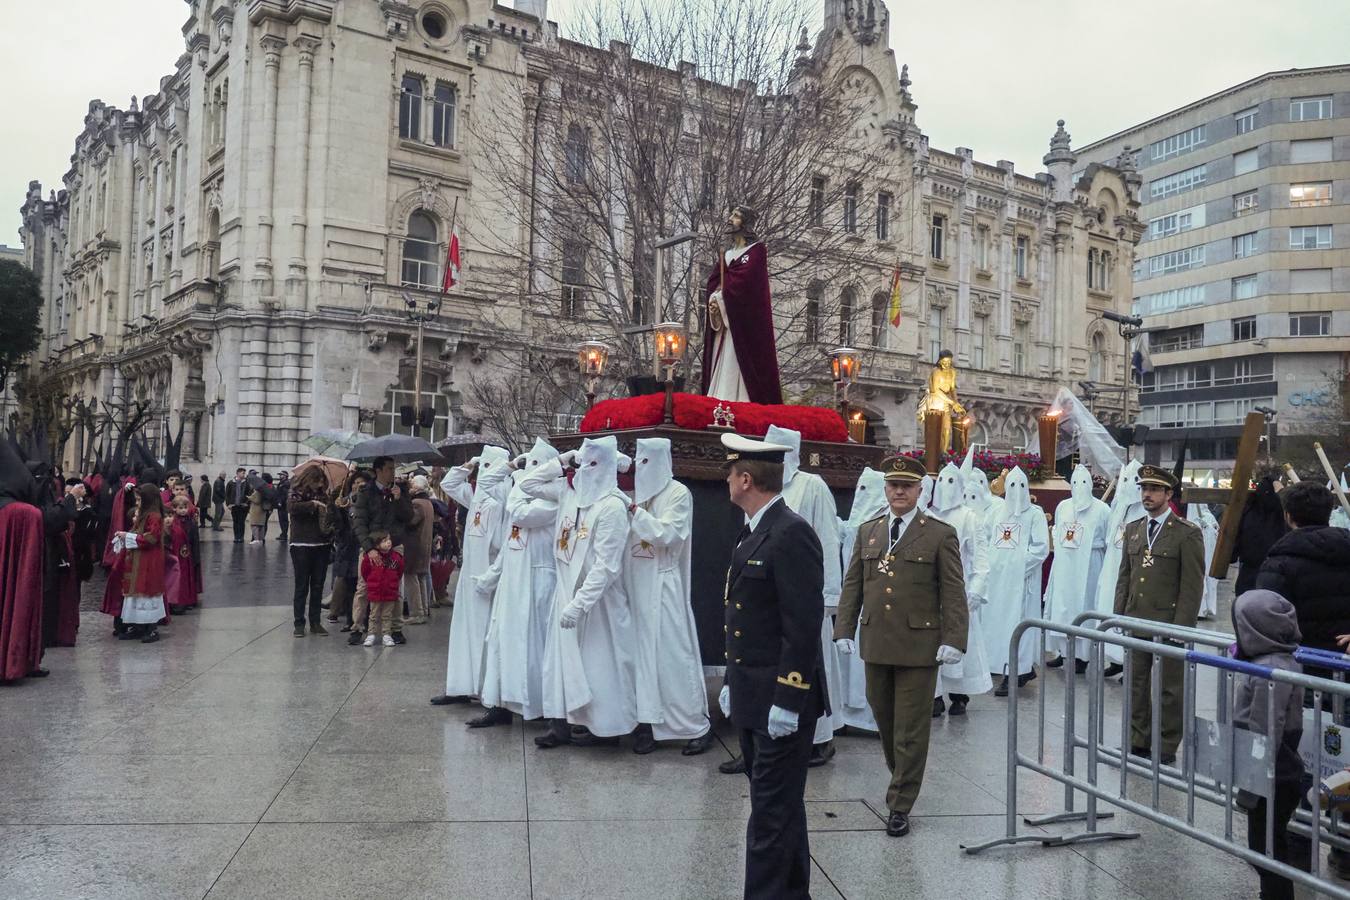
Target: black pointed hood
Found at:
x=16, y=483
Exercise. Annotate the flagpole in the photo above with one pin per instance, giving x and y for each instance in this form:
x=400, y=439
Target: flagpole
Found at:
x=417, y=372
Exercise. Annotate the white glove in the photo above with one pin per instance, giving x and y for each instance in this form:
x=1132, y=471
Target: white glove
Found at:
x=129, y=540
x=625, y=462
x=485, y=583
x=117, y=542
x=781, y=722
x=473, y=462
x=567, y=459
x=949, y=655
x=571, y=614
x=724, y=700
x=845, y=645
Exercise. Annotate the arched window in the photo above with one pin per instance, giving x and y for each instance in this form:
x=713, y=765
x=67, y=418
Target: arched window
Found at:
x=880, y=305
x=389, y=420
x=1096, y=357
x=848, y=304
x=577, y=152
x=812, y=324
x=979, y=437
x=410, y=108
x=443, y=115
x=420, y=252
x=1019, y=438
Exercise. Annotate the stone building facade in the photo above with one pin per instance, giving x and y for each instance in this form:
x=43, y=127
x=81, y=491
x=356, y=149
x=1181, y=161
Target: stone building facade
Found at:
x=236, y=249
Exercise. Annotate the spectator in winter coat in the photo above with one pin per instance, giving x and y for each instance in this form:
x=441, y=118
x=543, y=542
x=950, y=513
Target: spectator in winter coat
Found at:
x=382, y=573
x=1310, y=566
x=1262, y=524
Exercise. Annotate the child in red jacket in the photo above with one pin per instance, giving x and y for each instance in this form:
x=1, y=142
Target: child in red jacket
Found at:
x=382, y=578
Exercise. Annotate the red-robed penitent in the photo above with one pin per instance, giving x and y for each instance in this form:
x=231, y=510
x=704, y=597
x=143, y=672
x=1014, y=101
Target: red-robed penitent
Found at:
x=143, y=573
x=749, y=316
x=117, y=522
x=21, y=541
x=180, y=568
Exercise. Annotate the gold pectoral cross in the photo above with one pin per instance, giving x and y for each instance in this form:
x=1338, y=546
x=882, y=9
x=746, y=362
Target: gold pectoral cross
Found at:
x=1148, y=559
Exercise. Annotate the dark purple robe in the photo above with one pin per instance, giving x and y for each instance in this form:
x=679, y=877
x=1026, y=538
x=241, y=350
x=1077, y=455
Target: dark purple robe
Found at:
x=749, y=316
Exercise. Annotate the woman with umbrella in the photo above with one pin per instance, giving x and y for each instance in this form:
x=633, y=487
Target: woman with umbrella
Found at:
x=310, y=545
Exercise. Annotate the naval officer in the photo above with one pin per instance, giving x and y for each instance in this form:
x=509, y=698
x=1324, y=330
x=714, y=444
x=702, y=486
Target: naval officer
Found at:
x=775, y=682
x=906, y=585
x=1162, y=579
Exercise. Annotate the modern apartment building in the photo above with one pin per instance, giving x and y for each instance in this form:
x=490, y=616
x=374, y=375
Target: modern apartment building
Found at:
x=1243, y=276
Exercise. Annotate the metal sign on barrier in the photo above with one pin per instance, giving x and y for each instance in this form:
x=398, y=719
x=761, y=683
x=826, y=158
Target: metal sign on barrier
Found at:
x=1334, y=755
x=1253, y=764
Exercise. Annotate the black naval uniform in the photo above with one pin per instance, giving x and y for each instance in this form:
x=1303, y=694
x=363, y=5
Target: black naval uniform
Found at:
x=774, y=605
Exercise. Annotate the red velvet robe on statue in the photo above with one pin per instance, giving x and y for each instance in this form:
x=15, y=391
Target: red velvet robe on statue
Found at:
x=749, y=314
x=21, y=542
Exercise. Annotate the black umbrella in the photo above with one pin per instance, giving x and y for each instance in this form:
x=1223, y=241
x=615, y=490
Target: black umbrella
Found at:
x=399, y=447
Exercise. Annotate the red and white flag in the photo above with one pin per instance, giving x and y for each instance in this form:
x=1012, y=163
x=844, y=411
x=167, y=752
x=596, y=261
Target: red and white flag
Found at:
x=451, y=264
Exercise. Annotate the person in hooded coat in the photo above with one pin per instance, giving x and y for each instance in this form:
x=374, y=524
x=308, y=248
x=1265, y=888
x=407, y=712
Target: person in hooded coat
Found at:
x=971, y=674
x=1261, y=525
x=1019, y=542
x=1080, y=537
x=485, y=502
x=1209, y=529
x=672, y=698
x=1310, y=567
x=808, y=496
x=21, y=539
x=1126, y=506
x=869, y=501
x=520, y=583
x=588, y=663
x=122, y=505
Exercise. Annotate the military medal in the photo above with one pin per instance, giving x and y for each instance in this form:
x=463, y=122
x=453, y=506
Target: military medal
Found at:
x=884, y=566
x=1148, y=558
x=1147, y=561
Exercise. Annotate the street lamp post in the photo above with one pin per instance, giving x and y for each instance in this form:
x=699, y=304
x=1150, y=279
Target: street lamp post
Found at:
x=844, y=364
x=591, y=359
x=419, y=314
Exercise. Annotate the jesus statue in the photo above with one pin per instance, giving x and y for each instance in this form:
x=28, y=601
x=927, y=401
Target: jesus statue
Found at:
x=740, y=359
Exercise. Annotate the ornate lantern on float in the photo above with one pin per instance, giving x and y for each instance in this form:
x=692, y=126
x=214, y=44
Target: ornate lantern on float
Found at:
x=668, y=339
x=844, y=366
x=591, y=359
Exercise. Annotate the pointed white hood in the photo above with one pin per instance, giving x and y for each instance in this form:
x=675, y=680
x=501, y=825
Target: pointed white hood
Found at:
x=869, y=497
x=492, y=469
x=947, y=494
x=792, y=460
x=1017, y=492
x=597, y=470
x=1127, y=486
x=1080, y=487
x=655, y=468
x=540, y=453
x=977, y=490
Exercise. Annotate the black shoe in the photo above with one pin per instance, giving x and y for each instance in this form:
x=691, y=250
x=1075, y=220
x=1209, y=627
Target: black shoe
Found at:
x=938, y=707
x=698, y=745
x=897, y=825
x=1002, y=689
x=733, y=766
x=238, y=540
x=820, y=754
x=1168, y=759
x=355, y=638
x=1113, y=670
x=39, y=673
x=557, y=735
x=494, y=715
x=958, y=708
x=131, y=633
x=643, y=742
x=1055, y=663
x=299, y=631
x=399, y=638
x=1080, y=666
x=443, y=699
x=1024, y=680
x=151, y=637
x=584, y=738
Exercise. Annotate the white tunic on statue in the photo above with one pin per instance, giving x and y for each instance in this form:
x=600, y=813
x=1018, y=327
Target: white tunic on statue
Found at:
x=808, y=496
x=725, y=382
x=1079, y=548
x=588, y=670
x=1019, y=541
x=521, y=585
x=671, y=695
x=482, y=538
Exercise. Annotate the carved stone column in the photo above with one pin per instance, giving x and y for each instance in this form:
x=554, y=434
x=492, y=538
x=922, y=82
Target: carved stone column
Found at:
x=306, y=46
x=272, y=46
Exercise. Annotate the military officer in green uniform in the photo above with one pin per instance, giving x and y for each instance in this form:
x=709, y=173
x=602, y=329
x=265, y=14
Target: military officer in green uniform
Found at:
x=1162, y=578
x=905, y=583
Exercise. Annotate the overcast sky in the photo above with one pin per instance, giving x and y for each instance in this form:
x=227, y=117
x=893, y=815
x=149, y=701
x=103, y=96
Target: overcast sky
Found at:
x=983, y=78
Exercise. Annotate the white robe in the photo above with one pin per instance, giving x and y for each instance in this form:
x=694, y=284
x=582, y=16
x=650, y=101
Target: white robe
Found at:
x=1080, y=548
x=970, y=676
x=725, y=381
x=1209, y=530
x=520, y=583
x=588, y=670
x=1106, y=585
x=809, y=497
x=473, y=608
x=671, y=694
x=854, y=710
x=1018, y=544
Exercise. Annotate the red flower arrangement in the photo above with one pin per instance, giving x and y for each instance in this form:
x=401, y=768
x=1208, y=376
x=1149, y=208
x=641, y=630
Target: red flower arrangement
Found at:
x=816, y=423
x=989, y=462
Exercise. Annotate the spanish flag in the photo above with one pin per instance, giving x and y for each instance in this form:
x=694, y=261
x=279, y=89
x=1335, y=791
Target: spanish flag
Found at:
x=895, y=298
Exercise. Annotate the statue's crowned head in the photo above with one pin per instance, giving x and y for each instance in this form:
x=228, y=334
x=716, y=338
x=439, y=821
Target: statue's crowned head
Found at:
x=945, y=359
x=741, y=223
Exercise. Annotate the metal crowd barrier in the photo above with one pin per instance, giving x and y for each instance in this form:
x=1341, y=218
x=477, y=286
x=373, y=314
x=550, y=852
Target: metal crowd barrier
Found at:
x=1217, y=758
